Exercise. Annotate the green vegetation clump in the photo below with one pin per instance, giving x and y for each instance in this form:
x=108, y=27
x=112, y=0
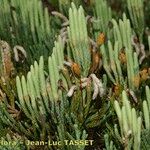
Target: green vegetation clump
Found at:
x=74, y=75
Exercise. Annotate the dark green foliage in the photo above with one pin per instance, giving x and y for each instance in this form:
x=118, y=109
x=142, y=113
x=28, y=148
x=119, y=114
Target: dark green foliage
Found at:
x=145, y=140
x=75, y=70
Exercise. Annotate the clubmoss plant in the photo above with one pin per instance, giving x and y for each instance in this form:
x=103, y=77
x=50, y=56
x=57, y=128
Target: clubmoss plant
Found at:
x=75, y=70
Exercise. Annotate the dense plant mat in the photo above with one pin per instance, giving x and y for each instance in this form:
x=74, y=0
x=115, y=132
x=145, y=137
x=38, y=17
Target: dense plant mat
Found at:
x=74, y=75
